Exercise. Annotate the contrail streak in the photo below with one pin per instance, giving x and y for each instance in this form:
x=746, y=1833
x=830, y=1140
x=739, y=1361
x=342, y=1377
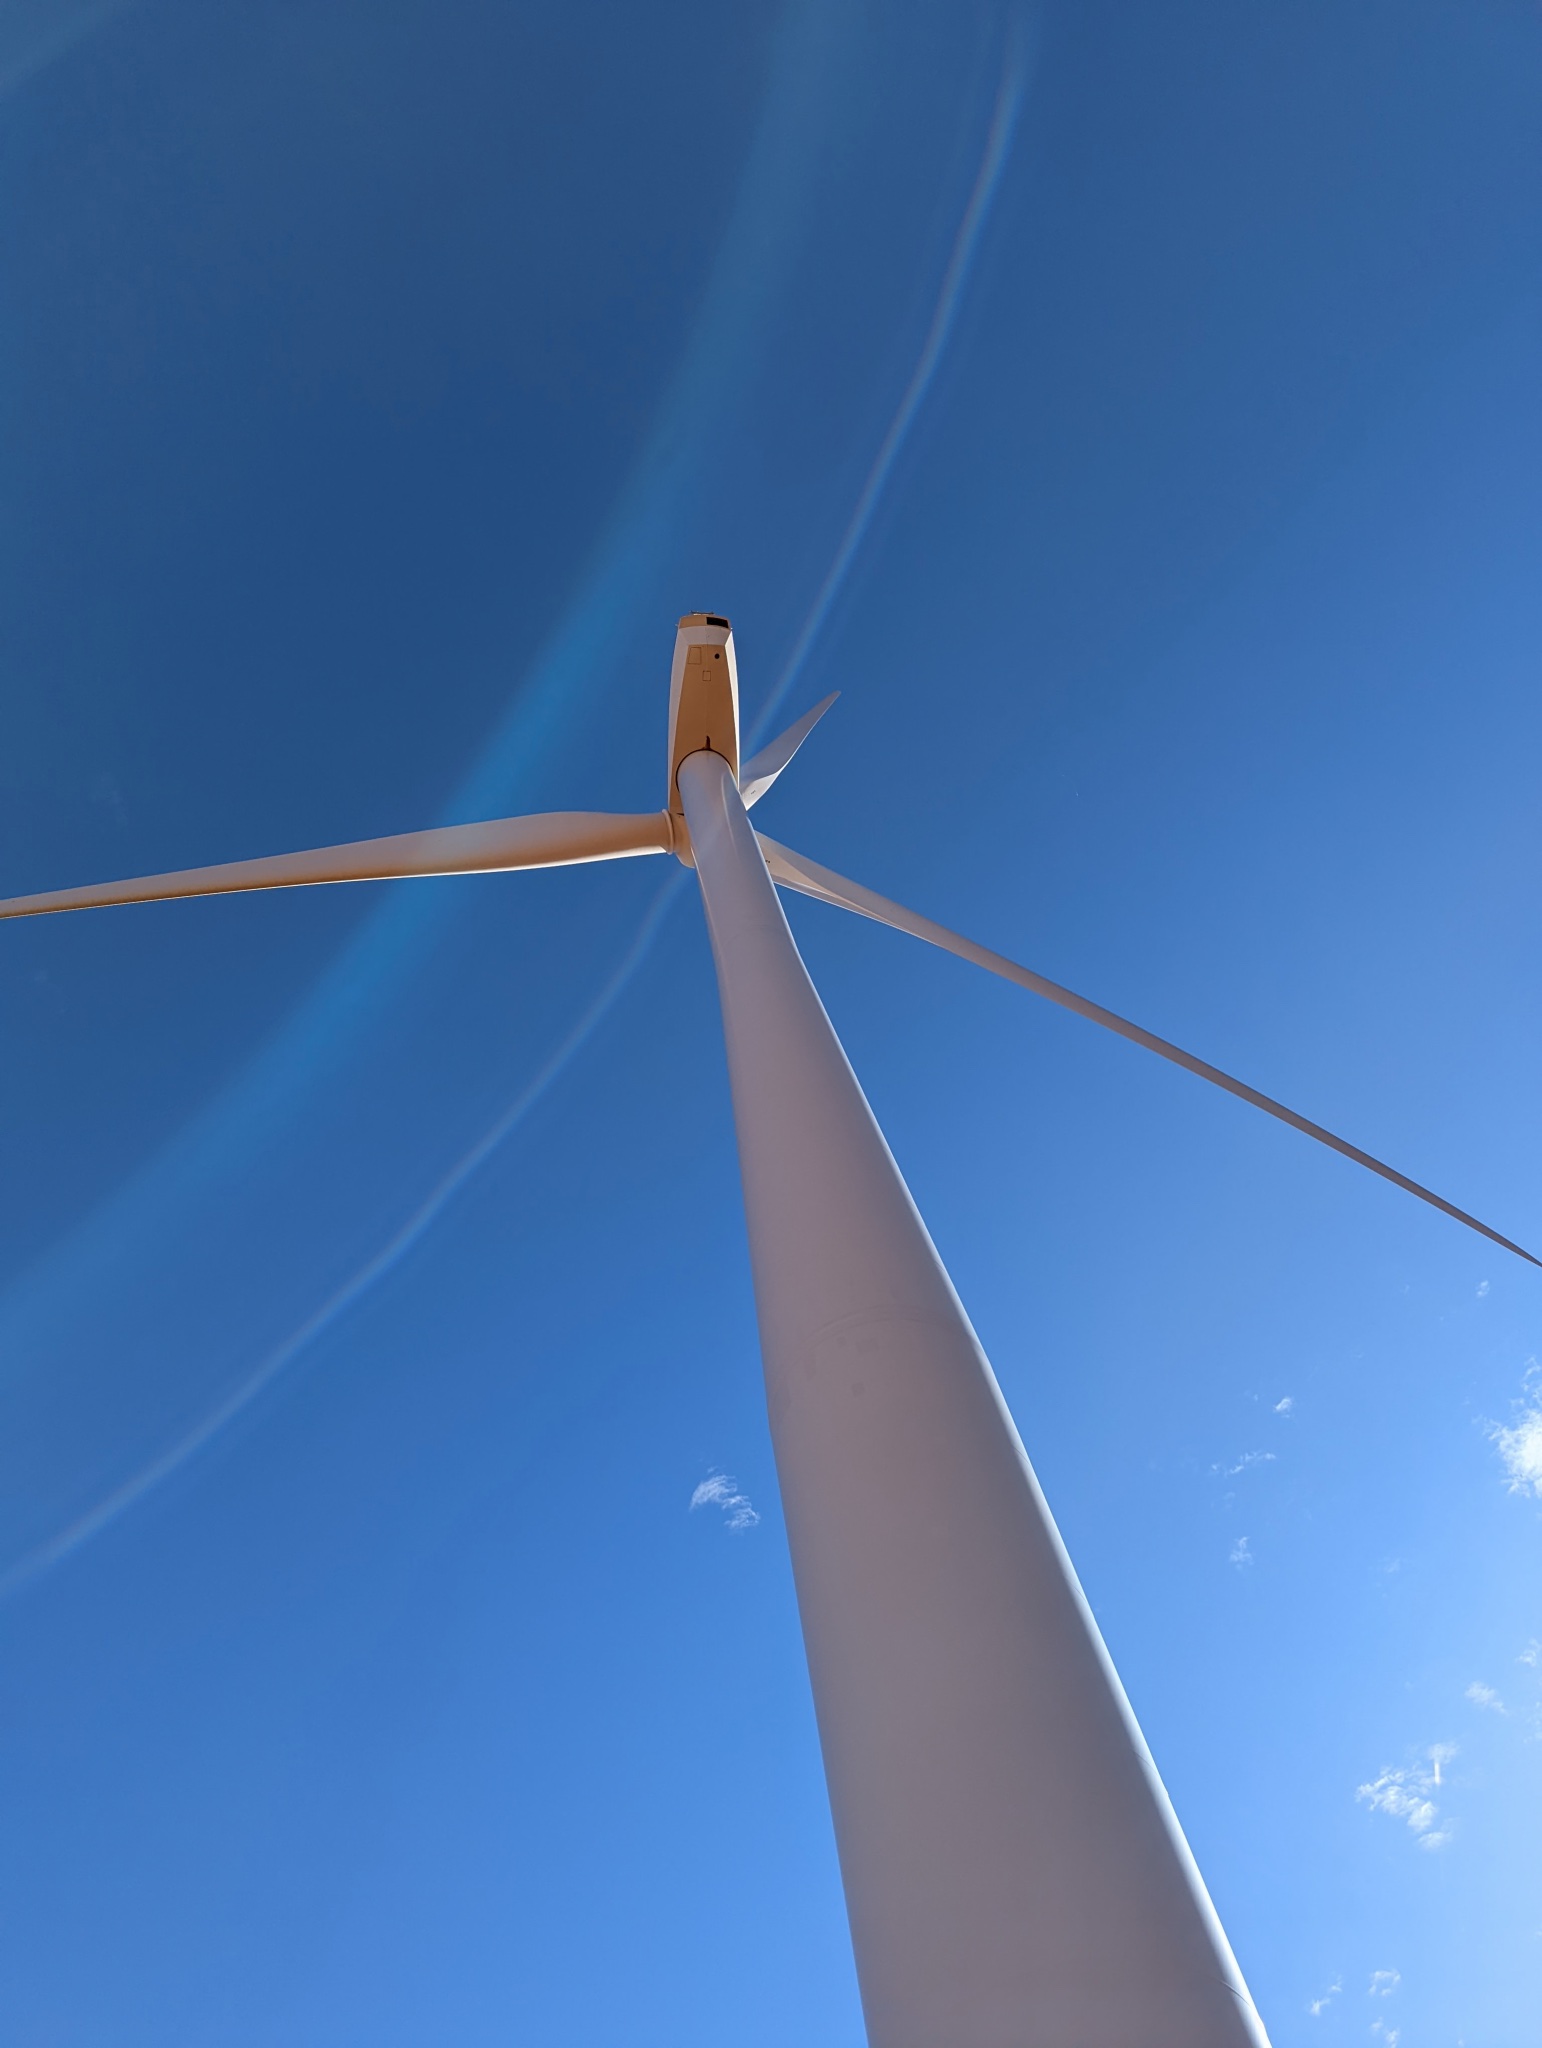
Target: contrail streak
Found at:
x=360, y=1283
x=998, y=144
x=30, y=39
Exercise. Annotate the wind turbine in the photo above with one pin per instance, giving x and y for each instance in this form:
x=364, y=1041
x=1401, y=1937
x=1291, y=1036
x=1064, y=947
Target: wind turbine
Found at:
x=1015, y=1875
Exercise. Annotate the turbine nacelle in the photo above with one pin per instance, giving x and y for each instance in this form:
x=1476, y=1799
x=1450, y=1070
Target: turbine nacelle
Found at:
x=704, y=719
x=703, y=706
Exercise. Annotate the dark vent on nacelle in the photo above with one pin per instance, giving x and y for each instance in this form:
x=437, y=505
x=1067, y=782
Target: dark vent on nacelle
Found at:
x=714, y=620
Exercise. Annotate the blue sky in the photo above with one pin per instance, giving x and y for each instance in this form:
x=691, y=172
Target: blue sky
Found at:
x=377, y=384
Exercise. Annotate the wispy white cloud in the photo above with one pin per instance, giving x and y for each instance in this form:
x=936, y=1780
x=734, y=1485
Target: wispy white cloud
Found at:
x=1405, y=1795
x=1482, y=1289
x=1285, y=1405
x=720, y=1490
x=1241, y=1553
x=1318, y=2006
x=1520, y=1449
x=1242, y=1464
x=1390, y=2036
x=1383, y=1983
x=1519, y=1442
x=1483, y=1695
x=1530, y=1711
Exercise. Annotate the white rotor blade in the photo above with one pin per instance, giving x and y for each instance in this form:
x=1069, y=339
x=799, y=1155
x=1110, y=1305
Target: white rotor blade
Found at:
x=757, y=775
x=550, y=839
x=793, y=871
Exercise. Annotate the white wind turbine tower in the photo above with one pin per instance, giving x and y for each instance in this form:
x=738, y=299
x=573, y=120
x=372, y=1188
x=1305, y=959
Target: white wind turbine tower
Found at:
x=1015, y=1875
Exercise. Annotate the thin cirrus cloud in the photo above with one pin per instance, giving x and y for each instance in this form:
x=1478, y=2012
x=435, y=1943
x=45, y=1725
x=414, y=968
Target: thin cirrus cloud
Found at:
x=1405, y=1795
x=1285, y=1405
x=127, y=1495
x=998, y=146
x=1241, y=1554
x=721, y=1490
x=360, y=1283
x=33, y=34
x=1483, y=1695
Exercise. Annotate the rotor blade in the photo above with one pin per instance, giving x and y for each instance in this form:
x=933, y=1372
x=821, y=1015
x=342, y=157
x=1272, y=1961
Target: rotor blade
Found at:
x=758, y=774
x=793, y=871
x=548, y=840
